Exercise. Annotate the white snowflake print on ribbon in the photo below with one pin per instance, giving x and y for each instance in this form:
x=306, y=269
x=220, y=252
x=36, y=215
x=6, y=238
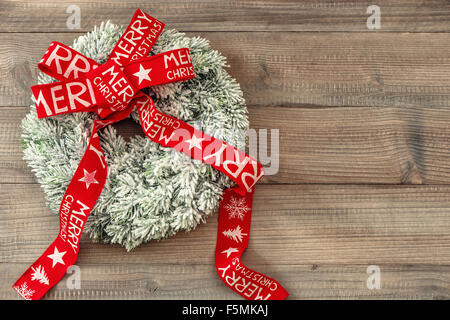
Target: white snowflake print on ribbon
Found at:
x=40, y=275
x=24, y=291
x=235, y=234
x=237, y=208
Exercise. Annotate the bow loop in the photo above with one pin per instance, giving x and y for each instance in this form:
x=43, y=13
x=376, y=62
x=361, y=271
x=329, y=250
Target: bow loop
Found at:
x=138, y=38
x=64, y=63
x=64, y=97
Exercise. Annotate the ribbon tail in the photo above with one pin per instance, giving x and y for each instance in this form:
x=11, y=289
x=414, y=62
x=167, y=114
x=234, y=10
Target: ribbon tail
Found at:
x=80, y=197
x=236, y=205
x=233, y=234
x=46, y=271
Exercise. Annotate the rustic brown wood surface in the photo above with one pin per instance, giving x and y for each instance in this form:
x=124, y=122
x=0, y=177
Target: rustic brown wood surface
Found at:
x=364, y=175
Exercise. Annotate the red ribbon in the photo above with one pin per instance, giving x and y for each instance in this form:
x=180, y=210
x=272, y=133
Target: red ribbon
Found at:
x=112, y=90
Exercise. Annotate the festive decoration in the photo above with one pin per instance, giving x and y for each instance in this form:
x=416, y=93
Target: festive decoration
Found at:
x=151, y=192
x=112, y=90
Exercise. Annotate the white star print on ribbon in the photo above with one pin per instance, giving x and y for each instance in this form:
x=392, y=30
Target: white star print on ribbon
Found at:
x=195, y=142
x=142, y=74
x=56, y=256
x=89, y=178
x=229, y=251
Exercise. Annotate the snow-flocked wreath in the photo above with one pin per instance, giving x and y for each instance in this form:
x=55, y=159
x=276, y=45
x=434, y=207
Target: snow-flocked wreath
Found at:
x=151, y=192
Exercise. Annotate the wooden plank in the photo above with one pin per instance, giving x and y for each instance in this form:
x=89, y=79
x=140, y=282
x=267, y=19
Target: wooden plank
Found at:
x=325, y=145
x=199, y=282
x=289, y=69
x=301, y=224
x=322, y=237
x=221, y=15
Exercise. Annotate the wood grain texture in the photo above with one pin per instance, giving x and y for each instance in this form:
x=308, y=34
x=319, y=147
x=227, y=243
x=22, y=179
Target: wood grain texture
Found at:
x=200, y=282
x=364, y=177
x=325, y=145
x=289, y=69
x=306, y=224
x=223, y=15
x=322, y=237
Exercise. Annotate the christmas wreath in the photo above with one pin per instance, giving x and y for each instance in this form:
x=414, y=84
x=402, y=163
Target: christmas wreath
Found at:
x=151, y=192
x=148, y=188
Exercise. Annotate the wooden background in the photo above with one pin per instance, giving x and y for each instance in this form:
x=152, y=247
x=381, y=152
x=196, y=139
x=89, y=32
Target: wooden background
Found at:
x=364, y=179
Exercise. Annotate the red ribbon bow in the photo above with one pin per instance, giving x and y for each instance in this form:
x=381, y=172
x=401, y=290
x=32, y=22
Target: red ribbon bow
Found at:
x=112, y=90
